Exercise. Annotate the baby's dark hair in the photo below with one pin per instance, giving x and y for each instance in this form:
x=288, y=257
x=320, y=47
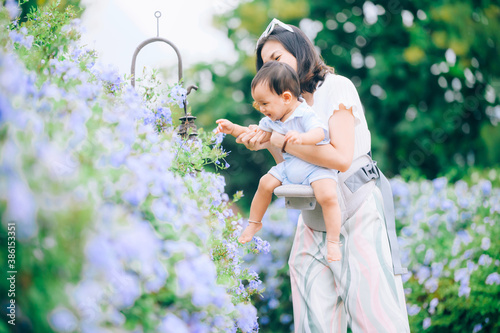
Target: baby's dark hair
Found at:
x=279, y=76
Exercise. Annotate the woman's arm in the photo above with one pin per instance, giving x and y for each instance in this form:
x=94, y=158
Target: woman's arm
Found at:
x=338, y=154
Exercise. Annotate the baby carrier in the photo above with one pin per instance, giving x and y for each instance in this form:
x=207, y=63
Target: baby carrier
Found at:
x=353, y=187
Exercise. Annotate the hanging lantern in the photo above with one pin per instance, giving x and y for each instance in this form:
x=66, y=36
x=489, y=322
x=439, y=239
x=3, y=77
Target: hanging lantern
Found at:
x=187, y=126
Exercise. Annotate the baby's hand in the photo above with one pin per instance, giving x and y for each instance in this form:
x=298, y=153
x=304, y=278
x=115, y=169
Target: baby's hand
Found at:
x=225, y=126
x=293, y=137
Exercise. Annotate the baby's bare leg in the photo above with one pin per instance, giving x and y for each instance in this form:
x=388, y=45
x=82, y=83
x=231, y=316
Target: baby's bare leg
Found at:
x=260, y=202
x=325, y=191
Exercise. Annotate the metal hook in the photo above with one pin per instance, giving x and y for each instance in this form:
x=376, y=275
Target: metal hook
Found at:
x=190, y=88
x=157, y=15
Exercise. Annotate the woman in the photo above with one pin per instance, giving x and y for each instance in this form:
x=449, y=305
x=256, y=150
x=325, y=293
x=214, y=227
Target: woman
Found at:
x=363, y=291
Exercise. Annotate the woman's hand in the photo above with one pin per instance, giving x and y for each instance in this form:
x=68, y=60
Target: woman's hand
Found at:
x=338, y=154
x=253, y=139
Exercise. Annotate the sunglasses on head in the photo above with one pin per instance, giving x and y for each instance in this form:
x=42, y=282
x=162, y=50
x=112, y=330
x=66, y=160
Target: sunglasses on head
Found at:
x=271, y=27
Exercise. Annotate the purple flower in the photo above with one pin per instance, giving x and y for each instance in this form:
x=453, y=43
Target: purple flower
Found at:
x=407, y=231
x=21, y=38
x=433, y=201
x=22, y=208
x=485, y=243
x=126, y=130
x=285, y=318
x=178, y=95
x=426, y=323
x=485, y=260
x=139, y=243
x=254, y=284
x=464, y=202
x=136, y=195
x=260, y=245
x=467, y=254
x=423, y=273
x=111, y=77
x=247, y=319
x=429, y=256
x=117, y=318
x=464, y=290
x=456, y=246
x=464, y=236
x=240, y=290
x=461, y=275
x=432, y=305
x=447, y=205
x=431, y=285
x=419, y=216
x=164, y=114
x=126, y=289
x=63, y=320
x=189, y=249
x=471, y=266
x=437, y=269
x=413, y=309
x=477, y=328
x=164, y=210
x=13, y=9
x=101, y=253
x=439, y=183
x=219, y=138
x=399, y=188
x=485, y=187
x=197, y=275
x=273, y=303
x=493, y=278
x=406, y=277
x=172, y=324
x=88, y=296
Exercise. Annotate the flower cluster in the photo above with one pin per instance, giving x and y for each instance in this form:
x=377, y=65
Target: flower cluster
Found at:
x=114, y=209
x=446, y=241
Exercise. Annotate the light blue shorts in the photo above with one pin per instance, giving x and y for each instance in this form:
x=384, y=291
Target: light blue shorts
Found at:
x=302, y=176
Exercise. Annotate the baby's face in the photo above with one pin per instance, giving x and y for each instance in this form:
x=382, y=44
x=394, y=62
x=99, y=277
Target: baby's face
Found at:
x=269, y=103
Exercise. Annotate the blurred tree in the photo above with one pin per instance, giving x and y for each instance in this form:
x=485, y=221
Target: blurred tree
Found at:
x=425, y=71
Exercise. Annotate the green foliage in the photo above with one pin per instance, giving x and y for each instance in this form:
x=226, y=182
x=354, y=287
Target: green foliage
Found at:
x=29, y=6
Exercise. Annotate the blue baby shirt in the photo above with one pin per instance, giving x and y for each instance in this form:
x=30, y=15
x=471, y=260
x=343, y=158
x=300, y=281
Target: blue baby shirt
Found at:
x=295, y=170
x=302, y=120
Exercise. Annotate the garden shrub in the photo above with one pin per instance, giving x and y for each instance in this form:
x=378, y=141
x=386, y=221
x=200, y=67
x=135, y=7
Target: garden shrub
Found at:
x=117, y=224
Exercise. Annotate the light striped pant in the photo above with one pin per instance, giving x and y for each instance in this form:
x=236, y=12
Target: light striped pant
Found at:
x=360, y=291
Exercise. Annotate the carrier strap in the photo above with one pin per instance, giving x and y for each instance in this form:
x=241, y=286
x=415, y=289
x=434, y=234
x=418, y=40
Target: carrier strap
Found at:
x=361, y=177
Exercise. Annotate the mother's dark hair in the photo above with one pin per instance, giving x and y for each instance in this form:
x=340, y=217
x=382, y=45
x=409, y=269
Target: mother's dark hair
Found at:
x=310, y=66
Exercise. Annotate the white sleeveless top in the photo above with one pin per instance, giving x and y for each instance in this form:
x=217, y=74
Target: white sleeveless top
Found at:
x=336, y=90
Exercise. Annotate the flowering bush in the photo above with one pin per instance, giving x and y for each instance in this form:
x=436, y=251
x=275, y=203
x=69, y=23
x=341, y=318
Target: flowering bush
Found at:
x=450, y=243
x=118, y=226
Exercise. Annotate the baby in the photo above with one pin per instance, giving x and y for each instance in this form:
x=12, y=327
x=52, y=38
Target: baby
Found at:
x=276, y=90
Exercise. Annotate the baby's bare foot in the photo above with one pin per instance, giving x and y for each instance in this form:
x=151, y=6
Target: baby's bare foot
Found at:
x=249, y=231
x=334, y=253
